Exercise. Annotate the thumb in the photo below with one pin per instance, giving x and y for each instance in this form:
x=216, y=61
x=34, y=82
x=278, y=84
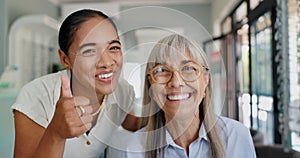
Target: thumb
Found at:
x=65, y=90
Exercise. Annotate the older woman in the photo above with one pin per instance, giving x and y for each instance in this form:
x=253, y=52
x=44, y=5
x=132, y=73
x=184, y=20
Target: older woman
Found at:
x=180, y=120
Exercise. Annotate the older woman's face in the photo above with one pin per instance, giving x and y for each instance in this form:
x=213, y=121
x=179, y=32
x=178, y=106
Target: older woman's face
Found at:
x=179, y=98
x=96, y=56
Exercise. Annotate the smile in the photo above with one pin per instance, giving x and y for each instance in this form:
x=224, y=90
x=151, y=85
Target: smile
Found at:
x=105, y=76
x=178, y=97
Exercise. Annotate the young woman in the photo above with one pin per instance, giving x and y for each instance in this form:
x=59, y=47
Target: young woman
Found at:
x=72, y=113
x=180, y=120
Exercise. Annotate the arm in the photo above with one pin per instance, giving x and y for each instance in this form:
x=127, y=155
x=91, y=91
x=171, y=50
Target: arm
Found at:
x=29, y=135
x=239, y=142
x=32, y=140
x=131, y=122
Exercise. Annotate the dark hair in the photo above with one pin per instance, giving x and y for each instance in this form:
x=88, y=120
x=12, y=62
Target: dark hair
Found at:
x=71, y=24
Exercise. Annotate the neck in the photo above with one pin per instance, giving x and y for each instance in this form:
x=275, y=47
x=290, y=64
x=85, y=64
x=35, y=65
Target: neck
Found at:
x=98, y=106
x=184, y=132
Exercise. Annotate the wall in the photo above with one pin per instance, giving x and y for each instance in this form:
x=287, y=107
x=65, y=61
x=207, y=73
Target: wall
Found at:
x=10, y=10
x=17, y=9
x=219, y=10
x=200, y=12
x=3, y=33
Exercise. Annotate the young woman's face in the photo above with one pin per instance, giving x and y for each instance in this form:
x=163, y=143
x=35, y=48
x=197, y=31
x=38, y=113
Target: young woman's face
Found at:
x=96, y=56
x=179, y=98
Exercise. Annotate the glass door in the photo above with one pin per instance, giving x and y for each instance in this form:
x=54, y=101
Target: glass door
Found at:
x=261, y=77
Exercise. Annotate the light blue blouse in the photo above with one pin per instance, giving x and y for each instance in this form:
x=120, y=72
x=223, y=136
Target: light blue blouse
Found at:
x=235, y=136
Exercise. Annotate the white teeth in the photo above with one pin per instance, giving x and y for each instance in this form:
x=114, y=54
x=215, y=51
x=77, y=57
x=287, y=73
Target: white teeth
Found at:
x=104, y=76
x=178, y=97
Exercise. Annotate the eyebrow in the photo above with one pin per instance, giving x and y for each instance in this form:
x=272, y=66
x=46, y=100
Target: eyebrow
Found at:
x=114, y=41
x=87, y=44
x=182, y=62
x=93, y=44
x=186, y=61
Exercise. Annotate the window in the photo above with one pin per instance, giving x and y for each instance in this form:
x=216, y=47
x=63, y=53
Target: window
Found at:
x=294, y=64
x=226, y=26
x=241, y=12
x=262, y=98
x=254, y=3
x=243, y=77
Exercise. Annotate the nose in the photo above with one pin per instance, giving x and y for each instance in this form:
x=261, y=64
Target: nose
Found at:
x=105, y=60
x=176, y=80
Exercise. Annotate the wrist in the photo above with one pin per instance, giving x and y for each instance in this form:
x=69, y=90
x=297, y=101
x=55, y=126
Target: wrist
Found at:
x=51, y=144
x=53, y=135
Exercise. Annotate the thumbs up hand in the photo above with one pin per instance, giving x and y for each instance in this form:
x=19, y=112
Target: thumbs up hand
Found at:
x=72, y=116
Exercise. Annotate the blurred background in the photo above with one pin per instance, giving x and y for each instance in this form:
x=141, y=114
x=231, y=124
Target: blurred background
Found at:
x=254, y=50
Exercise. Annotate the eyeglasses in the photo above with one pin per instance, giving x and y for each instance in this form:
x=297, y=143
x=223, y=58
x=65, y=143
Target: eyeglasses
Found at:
x=189, y=72
x=95, y=50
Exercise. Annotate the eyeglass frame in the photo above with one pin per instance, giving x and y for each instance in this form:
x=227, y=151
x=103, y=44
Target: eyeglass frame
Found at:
x=173, y=70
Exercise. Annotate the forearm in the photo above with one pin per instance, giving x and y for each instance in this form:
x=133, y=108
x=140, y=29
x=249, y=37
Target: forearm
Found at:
x=33, y=140
x=50, y=146
x=131, y=122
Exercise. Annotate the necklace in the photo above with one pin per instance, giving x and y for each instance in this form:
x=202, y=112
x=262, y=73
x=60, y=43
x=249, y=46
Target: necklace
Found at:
x=100, y=107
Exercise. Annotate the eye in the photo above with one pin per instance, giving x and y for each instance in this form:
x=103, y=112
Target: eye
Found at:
x=188, y=68
x=115, y=49
x=160, y=70
x=88, y=52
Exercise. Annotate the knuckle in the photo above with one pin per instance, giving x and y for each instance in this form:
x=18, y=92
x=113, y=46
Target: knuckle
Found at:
x=90, y=118
x=90, y=108
x=73, y=133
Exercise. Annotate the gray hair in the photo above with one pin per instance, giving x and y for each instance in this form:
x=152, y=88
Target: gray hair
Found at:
x=169, y=48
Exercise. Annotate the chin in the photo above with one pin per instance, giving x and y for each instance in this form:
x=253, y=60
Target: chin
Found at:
x=107, y=89
x=185, y=112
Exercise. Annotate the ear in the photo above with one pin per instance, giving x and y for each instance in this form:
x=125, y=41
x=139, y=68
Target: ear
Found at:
x=64, y=59
x=149, y=79
x=206, y=78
